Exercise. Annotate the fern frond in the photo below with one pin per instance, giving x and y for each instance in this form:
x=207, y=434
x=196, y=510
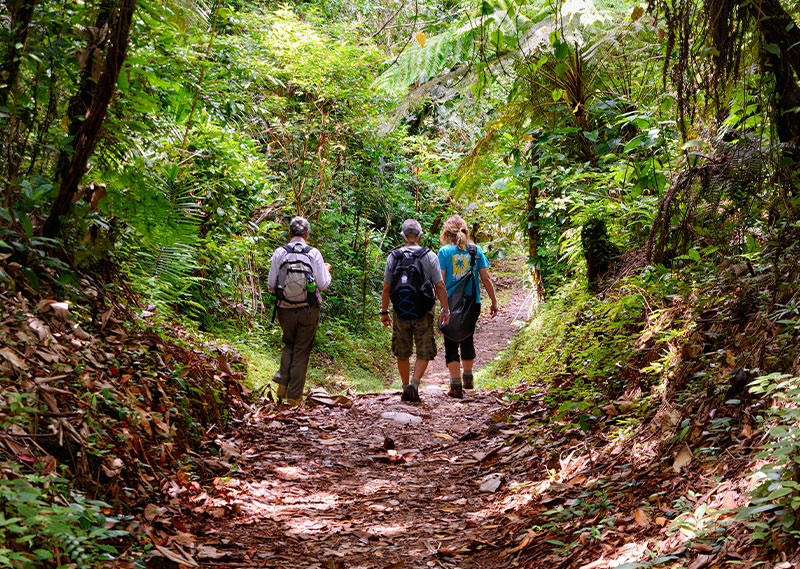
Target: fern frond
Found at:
x=466, y=179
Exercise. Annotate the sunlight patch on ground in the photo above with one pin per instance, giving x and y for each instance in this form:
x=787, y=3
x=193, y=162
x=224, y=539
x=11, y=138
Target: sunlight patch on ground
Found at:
x=628, y=553
x=572, y=466
x=515, y=501
x=312, y=526
x=271, y=499
x=290, y=473
x=388, y=530
x=378, y=485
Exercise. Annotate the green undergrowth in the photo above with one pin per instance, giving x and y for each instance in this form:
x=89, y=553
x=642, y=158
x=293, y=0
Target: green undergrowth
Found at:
x=530, y=354
x=45, y=522
x=691, y=370
x=341, y=359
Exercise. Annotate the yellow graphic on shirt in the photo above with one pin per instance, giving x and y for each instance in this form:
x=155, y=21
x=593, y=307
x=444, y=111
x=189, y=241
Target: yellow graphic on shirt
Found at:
x=460, y=265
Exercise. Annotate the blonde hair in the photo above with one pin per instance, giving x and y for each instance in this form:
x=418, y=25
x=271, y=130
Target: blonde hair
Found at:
x=455, y=231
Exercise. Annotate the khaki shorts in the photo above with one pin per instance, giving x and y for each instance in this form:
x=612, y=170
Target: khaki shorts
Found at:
x=405, y=334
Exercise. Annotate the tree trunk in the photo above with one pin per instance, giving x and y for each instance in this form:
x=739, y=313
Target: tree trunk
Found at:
x=533, y=240
x=533, y=221
x=87, y=136
x=21, y=14
x=777, y=27
x=787, y=118
x=91, y=69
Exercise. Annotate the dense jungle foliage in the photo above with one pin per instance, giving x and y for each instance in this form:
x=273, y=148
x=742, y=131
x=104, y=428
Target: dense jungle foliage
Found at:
x=641, y=157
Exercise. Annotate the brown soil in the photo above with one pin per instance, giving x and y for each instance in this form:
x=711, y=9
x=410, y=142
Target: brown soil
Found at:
x=336, y=487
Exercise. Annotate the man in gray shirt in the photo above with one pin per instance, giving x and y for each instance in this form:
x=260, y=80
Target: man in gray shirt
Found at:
x=419, y=331
x=299, y=319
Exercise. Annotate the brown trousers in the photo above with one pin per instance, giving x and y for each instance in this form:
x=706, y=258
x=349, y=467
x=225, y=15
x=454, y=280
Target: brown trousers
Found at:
x=299, y=327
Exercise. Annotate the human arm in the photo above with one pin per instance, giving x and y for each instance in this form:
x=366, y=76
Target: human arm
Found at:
x=437, y=276
x=322, y=270
x=386, y=319
x=441, y=294
x=489, y=286
x=274, y=267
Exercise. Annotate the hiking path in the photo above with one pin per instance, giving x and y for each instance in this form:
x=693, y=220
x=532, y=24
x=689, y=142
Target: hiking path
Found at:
x=365, y=482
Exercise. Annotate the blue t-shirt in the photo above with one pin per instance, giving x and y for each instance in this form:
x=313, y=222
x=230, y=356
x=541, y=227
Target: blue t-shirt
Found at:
x=455, y=264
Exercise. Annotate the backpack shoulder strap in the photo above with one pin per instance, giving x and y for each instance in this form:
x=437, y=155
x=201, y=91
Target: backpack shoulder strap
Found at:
x=473, y=253
x=291, y=248
x=421, y=251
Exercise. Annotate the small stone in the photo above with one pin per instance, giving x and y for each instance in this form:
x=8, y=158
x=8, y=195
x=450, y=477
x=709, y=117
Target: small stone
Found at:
x=400, y=417
x=491, y=482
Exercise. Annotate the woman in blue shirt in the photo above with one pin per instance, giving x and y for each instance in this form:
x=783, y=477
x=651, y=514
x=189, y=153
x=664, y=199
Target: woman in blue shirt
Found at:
x=454, y=261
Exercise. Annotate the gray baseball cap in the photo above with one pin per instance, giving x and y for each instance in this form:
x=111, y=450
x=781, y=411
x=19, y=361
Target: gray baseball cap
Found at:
x=411, y=227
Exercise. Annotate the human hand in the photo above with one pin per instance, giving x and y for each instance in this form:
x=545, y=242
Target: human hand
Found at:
x=327, y=266
x=493, y=311
x=386, y=320
x=444, y=317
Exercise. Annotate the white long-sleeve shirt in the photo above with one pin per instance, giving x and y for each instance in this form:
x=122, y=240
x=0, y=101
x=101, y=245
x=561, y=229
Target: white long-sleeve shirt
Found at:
x=321, y=274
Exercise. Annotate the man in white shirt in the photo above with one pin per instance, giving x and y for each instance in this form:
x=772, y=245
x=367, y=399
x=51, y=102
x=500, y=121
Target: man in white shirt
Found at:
x=299, y=319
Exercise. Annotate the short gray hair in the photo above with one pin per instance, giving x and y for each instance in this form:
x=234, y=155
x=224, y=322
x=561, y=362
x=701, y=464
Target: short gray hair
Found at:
x=411, y=227
x=299, y=226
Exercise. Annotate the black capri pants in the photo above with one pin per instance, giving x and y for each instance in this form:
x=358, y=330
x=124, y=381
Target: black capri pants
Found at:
x=451, y=349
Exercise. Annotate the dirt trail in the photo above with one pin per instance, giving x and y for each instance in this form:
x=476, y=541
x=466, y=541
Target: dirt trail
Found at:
x=380, y=484
x=492, y=334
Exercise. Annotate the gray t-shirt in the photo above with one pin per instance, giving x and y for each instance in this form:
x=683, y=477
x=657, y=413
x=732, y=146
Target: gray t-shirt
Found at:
x=430, y=265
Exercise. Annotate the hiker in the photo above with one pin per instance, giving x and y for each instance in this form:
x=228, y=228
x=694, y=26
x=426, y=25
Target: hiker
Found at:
x=409, y=280
x=297, y=274
x=457, y=255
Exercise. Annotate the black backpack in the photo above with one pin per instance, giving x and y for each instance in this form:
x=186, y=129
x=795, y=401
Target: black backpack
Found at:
x=411, y=292
x=464, y=305
x=294, y=276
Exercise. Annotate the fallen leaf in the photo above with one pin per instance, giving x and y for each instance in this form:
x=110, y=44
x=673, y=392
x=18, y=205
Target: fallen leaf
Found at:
x=701, y=561
x=61, y=309
x=208, y=552
x=729, y=500
x=420, y=38
x=179, y=556
x=641, y=518
x=526, y=540
x=12, y=358
x=683, y=458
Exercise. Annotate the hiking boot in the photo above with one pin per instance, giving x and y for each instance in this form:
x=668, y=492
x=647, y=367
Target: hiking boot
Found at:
x=456, y=391
x=281, y=394
x=468, y=382
x=410, y=394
